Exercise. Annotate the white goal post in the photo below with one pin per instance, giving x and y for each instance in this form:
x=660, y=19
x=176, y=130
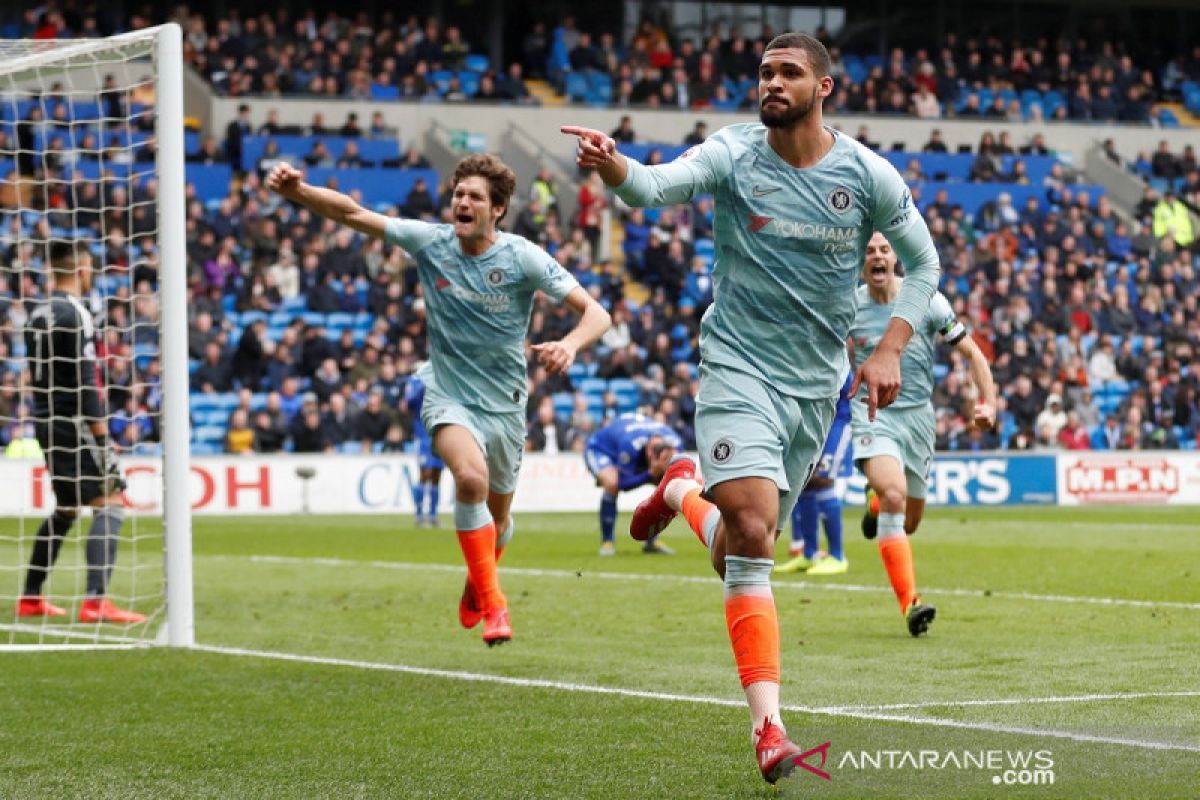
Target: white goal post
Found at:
x=81, y=161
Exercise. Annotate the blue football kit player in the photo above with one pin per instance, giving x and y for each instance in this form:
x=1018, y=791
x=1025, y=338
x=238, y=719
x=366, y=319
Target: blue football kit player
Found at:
x=821, y=501
x=628, y=452
x=426, y=489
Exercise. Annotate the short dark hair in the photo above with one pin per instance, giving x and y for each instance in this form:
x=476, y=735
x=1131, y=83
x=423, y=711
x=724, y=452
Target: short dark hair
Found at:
x=502, y=181
x=817, y=54
x=64, y=255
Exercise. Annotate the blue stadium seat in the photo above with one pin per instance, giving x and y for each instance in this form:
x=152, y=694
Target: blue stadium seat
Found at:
x=206, y=449
x=384, y=92
x=478, y=63
x=210, y=180
x=627, y=393
x=339, y=320
x=576, y=86
x=213, y=434
x=564, y=402
x=593, y=386
x=377, y=184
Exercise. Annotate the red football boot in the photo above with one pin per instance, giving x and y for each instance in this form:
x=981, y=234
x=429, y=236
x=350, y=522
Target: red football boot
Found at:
x=497, y=628
x=101, y=609
x=37, y=606
x=775, y=753
x=653, y=514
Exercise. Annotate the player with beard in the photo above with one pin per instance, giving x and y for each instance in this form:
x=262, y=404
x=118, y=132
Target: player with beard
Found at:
x=796, y=204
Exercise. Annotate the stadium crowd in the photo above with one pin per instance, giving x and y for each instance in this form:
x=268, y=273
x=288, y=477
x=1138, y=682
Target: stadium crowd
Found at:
x=1090, y=323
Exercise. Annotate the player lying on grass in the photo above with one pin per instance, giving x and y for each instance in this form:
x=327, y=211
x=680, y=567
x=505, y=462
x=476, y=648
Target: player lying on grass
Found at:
x=796, y=202
x=628, y=452
x=479, y=285
x=895, y=449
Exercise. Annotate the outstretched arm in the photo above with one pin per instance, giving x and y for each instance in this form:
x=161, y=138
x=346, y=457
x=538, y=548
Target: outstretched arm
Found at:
x=287, y=181
x=697, y=171
x=556, y=357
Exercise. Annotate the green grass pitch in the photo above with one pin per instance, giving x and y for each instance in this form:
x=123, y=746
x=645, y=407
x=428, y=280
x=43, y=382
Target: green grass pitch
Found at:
x=333, y=666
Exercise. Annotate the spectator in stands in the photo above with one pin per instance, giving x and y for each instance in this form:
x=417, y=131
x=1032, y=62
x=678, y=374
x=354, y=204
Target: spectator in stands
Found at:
x=214, y=374
x=249, y=360
x=1073, y=435
x=1171, y=217
x=698, y=134
x=624, y=132
x=269, y=435
x=307, y=432
x=319, y=155
x=1164, y=164
x=418, y=204
x=209, y=152
x=373, y=421
x=351, y=157
x=239, y=439
x=546, y=434
x=1052, y=419
x=511, y=86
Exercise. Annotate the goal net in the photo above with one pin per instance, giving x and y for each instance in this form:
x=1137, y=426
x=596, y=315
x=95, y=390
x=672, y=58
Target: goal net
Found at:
x=91, y=152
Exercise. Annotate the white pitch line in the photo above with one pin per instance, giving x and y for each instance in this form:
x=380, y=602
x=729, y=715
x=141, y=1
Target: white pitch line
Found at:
x=586, y=688
x=1016, y=701
x=661, y=578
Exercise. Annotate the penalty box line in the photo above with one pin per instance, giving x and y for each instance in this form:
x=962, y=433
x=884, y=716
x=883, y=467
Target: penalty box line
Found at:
x=662, y=578
x=613, y=691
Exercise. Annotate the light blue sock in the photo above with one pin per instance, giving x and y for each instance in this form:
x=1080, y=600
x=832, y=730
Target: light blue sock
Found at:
x=470, y=516
x=831, y=515
x=743, y=571
x=506, y=535
x=804, y=523
x=608, y=516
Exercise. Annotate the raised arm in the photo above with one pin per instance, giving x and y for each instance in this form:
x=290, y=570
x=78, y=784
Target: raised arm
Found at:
x=287, y=181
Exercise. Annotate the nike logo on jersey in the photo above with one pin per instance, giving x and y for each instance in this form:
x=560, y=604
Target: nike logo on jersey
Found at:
x=760, y=191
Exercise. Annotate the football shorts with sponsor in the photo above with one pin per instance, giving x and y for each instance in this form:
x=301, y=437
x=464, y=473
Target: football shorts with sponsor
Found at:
x=746, y=428
x=500, y=435
x=905, y=434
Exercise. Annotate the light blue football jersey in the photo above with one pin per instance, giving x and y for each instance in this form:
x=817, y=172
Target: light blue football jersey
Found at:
x=478, y=309
x=790, y=245
x=916, y=365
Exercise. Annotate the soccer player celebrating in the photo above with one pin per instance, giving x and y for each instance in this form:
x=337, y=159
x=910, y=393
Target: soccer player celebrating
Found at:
x=68, y=413
x=894, y=450
x=479, y=284
x=821, y=500
x=796, y=203
x=426, y=491
x=628, y=452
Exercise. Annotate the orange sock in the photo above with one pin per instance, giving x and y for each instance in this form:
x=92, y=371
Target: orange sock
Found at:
x=696, y=510
x=897, y=559
x=479, y=551
x=754, y=633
